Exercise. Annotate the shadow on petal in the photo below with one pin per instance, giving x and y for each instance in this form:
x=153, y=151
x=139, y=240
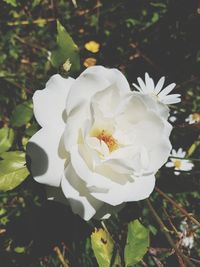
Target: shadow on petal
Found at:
x=36, y=159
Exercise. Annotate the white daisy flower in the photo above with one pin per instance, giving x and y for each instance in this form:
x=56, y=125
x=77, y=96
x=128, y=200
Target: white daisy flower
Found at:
x=157, y=91
x=178, y=162
x=193, y=118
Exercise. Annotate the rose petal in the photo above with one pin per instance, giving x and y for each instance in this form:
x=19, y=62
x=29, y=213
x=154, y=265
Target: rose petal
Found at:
x=75, y=190
x=136, y=190
x=45, y=149
x=49, y=103
x=91, y=81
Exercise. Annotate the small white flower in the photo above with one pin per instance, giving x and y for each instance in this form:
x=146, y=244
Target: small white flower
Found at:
x=178, y=162
x=188, y=242
x=157, y=91
x=173, y=117
x=187, y=235
x=193, y=118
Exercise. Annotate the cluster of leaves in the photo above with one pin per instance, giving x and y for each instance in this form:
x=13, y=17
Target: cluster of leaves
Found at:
x=135, y=36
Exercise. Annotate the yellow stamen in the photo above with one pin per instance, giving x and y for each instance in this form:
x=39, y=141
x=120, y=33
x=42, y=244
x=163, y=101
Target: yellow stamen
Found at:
x=177, y=163
x=107, y=138
x=196, y=117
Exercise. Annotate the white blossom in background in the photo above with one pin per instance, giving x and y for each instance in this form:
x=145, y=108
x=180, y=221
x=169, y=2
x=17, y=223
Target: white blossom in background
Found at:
x=193, y=118
x=178, y=162
x=187, y=235
x=156, y=90
x=173, y=117
x=100, y=144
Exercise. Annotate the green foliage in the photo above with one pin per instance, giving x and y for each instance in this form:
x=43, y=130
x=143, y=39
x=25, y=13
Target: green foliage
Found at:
x=20, y=250
x=66, y=50
x=12, y=170
x=11, y=2
x=6, y=139
x=22, y=114
x=103, y=247
x=136, y=244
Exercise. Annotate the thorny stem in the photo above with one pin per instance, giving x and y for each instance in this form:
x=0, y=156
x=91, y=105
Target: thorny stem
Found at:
x=167, y=235
x=60, y=257
x=178, y=206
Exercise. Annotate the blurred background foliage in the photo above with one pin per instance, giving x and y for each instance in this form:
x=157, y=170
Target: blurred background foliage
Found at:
x=160, y=37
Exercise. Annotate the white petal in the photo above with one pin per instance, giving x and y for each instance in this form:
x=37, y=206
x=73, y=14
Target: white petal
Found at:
x=159, y=154
x=91, y=81
x=45, y=149
x=167, y=90
x=169, y=164
x=108, y=100
x=159, y=85
x=90, y=177
x=186, y=165
x=149, y=83
x=136, y=190
x=75, y=190
x=142, y=85
x=137, y=87
x=49, y=104
x=170, y=99
x=180, y=153
x=114, y=76
x=174, y=153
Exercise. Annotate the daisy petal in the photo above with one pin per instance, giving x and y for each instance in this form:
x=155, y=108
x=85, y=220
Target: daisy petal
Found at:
x=149, y=82
x=159, y=85
x=142, y=85
x=167, y=89
x=171, y=99
x=137, y=87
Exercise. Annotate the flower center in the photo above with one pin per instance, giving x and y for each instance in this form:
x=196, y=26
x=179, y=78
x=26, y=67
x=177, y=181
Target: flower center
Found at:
x=196, y=116
x=177, y=163
x=107, y=138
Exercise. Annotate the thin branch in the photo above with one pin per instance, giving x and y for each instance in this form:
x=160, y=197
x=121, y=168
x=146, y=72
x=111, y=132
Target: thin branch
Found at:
x=24, y=42
x=167, y=235
x=170, y=222
x=26, y=22
x=178, y=206
x=61, y=257
x=191, y=159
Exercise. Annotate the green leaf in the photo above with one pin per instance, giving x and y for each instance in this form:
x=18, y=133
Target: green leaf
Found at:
x=11, y=2
x=66, y=50
x=103, y=247
x=20, y=249
x=198, y=56
x=6, y=139
x=22, y=114
x=136, y=244
x=12, y=170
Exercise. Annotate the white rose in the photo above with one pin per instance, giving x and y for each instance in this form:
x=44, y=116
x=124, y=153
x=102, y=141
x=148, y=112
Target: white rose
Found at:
x=100, y=143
